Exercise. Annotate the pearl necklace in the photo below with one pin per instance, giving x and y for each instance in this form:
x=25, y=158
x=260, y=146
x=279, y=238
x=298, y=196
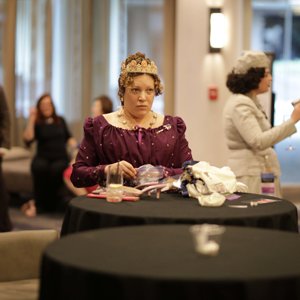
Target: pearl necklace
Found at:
x=130, y=123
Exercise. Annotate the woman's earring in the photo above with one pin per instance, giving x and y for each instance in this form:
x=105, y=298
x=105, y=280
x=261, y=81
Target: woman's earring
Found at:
x=122, y=101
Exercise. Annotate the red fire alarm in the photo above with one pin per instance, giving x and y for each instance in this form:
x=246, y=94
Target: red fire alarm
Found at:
x=213, y=92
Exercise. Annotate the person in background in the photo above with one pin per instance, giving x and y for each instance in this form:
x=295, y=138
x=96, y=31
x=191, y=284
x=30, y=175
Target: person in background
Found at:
x=5, y=223
x=134, y=135
x=248, y=132
x=53, y=138
x=101, y=105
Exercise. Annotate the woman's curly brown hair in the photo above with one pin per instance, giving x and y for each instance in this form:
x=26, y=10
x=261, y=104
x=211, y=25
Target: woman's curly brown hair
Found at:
x=244, y=83
x=126, y=79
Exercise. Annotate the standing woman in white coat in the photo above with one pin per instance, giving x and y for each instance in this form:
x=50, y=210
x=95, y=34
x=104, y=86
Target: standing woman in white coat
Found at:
x=248, y=132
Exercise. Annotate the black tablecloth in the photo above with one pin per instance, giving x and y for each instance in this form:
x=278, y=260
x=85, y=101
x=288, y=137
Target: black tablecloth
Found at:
x=85, y=213
x=159, y=262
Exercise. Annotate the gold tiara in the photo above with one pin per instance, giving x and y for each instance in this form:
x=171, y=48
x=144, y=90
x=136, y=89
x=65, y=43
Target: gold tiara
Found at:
x=143, y=67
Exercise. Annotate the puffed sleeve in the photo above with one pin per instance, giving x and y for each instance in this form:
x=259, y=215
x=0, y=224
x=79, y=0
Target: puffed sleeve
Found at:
x=86, y=169
x=185, y=152
x=182, y=151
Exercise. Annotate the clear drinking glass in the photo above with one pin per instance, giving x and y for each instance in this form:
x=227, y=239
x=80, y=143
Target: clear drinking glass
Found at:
x=114, y=184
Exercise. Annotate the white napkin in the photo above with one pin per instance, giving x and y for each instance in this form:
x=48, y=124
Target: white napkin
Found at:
x=220, y=180
x=214, y=199
x=212, y=184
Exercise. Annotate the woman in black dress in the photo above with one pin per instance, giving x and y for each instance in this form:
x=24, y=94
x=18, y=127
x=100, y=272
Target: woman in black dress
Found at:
x=53, y=137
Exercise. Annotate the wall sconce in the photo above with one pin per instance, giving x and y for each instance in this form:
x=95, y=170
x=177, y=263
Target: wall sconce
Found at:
x=217, y=30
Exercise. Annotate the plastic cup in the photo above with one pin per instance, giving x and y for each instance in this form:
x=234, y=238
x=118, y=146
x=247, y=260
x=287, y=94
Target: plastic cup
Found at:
x=114, y=185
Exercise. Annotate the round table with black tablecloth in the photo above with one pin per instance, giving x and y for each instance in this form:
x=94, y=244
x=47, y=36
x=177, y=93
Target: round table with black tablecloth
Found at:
x=159, y=262
x=85, y=213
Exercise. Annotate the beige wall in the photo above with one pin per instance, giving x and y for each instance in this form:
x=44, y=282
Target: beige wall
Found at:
x=196, y=69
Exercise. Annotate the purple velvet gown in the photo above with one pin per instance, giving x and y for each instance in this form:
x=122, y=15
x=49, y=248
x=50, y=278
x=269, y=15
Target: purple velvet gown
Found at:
x=105, y=144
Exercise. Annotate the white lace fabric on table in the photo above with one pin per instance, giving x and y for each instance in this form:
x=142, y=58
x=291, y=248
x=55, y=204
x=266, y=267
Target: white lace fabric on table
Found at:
x=210, y=185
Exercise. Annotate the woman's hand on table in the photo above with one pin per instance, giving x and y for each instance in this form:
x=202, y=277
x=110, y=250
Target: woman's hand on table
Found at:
x=128, y=170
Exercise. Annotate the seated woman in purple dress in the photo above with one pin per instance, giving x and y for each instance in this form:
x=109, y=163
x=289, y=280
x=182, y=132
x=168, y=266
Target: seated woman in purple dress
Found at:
x=134, y=135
